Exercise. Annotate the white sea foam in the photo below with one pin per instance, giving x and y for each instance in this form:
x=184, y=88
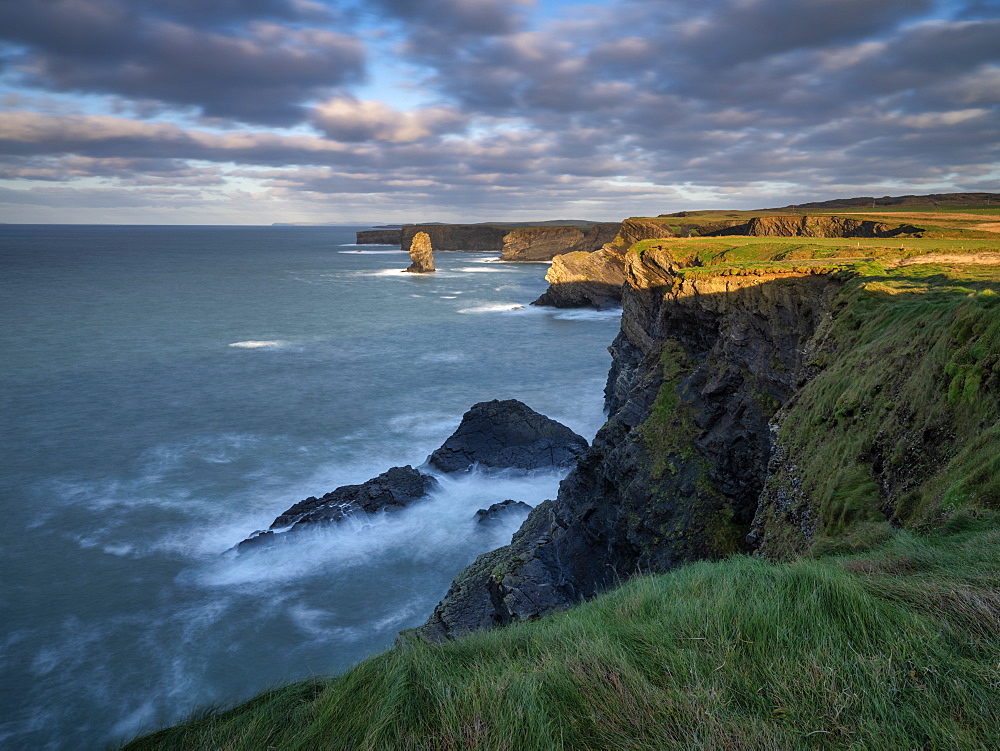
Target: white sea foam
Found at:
x=429, y=531
x=444, y=356
x=493, y=308
x=373, y=252
x=260, y=344
x=119, y=550
x=588, y=314
x=479, y=269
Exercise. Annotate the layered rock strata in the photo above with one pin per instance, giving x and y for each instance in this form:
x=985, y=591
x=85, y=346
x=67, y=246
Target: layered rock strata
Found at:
x=421, y=254
x=699, y=367
x=817, y=226
x=585, y=280
x=545, y=243
x=471, y=237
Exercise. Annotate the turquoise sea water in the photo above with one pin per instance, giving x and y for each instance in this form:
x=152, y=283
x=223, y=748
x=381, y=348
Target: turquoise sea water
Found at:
x=168, y=390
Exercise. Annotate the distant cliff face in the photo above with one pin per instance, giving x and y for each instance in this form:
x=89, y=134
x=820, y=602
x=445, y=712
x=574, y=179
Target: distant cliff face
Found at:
x=818, y=226
x=545, y=243
x=472, y=237
x=520, y=244
x=380, y=237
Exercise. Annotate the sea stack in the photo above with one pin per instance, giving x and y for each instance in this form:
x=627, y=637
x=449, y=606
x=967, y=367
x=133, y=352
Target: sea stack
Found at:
x=421, y=254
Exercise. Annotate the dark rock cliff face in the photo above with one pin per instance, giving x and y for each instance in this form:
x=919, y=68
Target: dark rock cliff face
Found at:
x=380, y=237
x=675, y=473
x=520, y=244
x=507, y=435
x=473, y=237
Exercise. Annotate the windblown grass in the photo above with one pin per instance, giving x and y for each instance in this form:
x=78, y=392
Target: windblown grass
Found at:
x=893, y=648
x=903, y=421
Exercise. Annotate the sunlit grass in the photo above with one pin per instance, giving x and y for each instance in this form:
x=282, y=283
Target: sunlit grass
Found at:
x=888, y=648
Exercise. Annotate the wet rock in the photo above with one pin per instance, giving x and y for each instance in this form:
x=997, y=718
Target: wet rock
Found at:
x=391, y=490
x=508, y=435
x=501, y=511
x=421, y=254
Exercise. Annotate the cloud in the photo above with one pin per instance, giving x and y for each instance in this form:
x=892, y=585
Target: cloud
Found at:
x=350, y=119
x=749, y=102
x=253, y=69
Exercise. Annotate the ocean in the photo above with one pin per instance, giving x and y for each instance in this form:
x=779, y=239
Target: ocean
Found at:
x=166, y=391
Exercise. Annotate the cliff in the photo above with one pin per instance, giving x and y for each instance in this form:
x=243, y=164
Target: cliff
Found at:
x=818, y=226
x=544, y=243
x=718, y=438
x=472, y=237
x=514, y=243
x=585, y=280
x=577, y=282
x=380, y=237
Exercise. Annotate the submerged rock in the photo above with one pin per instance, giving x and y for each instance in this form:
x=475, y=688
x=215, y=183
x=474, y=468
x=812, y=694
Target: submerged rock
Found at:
x=502, y=511
x=508, y=435
x=421, y=254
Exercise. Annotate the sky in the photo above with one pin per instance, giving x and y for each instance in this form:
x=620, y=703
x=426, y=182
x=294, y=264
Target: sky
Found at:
x=261, y=111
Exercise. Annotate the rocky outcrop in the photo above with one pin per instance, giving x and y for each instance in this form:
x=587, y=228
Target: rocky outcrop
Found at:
x=492, y=435
x=502, y=511
x=701, y=365
x=507, y=435
x=544, y=243
x=391, y=490
x=380, y=237
x=585, y=280
x=421, y=254
x=818, y=226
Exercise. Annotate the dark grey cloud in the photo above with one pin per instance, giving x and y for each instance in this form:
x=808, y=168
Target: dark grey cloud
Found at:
x=434, y=19
x=252, y=68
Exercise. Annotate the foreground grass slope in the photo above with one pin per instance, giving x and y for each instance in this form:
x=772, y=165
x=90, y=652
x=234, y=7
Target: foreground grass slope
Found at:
x=892, y=648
